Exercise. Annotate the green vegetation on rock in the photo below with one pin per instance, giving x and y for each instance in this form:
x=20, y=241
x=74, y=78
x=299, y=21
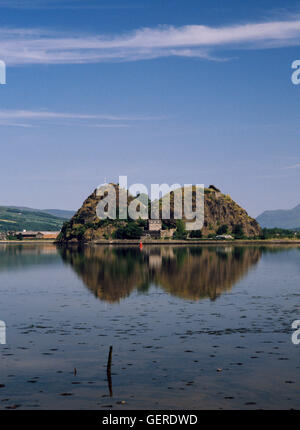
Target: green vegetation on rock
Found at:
x=132, y=230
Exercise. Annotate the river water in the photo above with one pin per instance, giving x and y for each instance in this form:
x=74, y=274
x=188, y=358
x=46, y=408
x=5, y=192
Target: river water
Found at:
x=198, y=327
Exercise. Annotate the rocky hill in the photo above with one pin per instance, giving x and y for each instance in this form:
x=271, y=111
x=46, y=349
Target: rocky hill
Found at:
x=220, y=210
x=221, y=215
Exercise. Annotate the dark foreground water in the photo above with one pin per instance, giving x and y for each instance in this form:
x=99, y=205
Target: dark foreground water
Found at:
x=191, y=327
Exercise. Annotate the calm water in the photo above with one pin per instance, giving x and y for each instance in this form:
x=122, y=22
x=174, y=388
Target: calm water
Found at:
x=191, y=327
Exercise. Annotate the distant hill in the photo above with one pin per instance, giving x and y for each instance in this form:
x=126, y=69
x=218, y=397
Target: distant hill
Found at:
x=281, y=218
x=60, y=213
x=13, y=218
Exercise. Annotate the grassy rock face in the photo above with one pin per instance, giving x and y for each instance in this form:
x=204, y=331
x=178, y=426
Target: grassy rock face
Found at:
x=219, y=209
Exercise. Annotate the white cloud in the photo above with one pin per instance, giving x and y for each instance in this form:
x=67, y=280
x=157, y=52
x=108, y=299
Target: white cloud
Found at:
x=43, y=114
x=38, y=46
x=27, y=118
x=15, y=124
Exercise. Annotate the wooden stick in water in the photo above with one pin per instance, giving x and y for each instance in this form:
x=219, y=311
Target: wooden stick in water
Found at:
x=108, y=371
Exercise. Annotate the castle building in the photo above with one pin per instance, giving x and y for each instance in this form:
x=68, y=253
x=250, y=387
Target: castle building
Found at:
x=154, y=225
x=215, y=190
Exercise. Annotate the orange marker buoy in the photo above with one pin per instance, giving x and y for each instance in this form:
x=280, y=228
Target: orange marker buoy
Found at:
x=141, y=245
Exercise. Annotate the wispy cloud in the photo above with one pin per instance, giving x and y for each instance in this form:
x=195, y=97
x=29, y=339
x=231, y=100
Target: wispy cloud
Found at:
x=38, y=46
x=293, y=166
x=28, y=118
x=15, y=124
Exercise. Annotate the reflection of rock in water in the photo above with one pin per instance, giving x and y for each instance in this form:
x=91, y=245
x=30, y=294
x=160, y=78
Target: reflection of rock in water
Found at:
x=188, y=272
x=206, y=272
x=111, y=274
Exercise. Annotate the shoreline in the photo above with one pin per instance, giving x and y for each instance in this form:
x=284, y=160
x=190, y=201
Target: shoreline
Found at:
x=28, y=241
x=198, y=242
x=161, y=242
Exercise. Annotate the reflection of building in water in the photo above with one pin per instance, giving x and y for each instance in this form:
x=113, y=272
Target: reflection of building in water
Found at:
x=163, y=251
x=191, y=273
x=33, y=249
x=28, y=248
x=155, y=261
x=228, y=248
x=17, y=256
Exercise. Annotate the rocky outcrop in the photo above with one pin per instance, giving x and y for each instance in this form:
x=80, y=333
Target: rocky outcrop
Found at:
x=219, y=210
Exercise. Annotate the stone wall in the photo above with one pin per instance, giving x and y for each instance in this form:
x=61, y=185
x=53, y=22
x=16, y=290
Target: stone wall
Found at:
x=154, y=224
x=167, y=233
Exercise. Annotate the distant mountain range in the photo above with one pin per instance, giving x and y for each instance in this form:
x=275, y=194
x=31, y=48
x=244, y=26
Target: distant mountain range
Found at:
x=281, y=218
x=15, y=218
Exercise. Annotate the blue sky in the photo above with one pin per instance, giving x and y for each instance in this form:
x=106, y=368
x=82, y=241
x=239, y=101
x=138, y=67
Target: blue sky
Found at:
x=161, y=91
